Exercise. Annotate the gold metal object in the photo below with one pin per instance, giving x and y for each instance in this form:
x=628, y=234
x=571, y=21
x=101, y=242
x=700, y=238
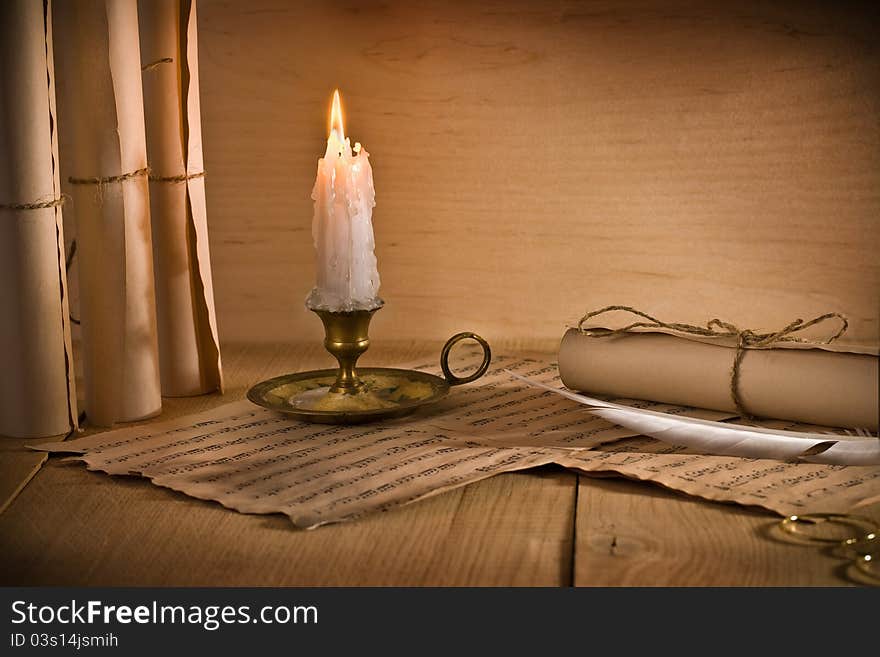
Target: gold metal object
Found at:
x=834, y=532
x=447, y=349
x=351, y=395
x=863, y=546
x=828, y=528
x=868, y=566
x=346, y=338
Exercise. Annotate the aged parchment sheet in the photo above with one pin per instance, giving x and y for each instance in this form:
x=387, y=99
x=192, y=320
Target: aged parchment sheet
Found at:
x=189, y=350
x=101, y=116
x=787, y=488
x=255, y=461
x=37, y=395
x=835, y=385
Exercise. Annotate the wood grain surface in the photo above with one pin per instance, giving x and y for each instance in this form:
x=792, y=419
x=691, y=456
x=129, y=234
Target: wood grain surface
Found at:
x=534, y=159
x=629, y=535
x=75, y=527
x=17, y=465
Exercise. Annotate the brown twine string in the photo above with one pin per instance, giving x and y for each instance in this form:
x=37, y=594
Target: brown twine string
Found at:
x=154, y=65
x=36, y=205
x=177, y=179
x=107, y=180
x=716, y=328
x=101, y=183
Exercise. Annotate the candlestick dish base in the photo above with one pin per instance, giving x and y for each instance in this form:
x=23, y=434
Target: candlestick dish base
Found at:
x=384, y=393
x=350, y=395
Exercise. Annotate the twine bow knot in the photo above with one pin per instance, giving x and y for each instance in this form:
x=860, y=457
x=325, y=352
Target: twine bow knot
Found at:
x=716, y=328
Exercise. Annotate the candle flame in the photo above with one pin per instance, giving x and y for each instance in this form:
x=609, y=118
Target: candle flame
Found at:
x=336, y=117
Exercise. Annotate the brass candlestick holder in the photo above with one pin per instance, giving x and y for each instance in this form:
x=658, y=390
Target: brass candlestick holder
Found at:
x=348, y=395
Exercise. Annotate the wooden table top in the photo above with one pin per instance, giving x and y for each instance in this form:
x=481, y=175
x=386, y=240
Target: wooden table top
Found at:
x=66, y=525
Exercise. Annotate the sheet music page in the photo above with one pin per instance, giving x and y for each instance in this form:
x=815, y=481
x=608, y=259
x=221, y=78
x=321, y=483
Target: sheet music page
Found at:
x=256, y=461
x=787, y=488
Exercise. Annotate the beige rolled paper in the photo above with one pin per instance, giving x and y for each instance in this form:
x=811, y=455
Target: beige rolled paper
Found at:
x=829, y=386
x=101, y=122
x=37, y=394
x=189, y=351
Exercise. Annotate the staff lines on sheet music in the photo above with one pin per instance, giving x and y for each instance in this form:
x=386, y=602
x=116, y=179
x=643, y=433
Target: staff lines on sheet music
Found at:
x=339, y=469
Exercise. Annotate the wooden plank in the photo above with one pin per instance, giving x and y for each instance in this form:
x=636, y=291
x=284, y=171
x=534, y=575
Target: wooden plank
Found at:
x=632, y=534
x=534, y=159
x=17, y=466
x=74, y=527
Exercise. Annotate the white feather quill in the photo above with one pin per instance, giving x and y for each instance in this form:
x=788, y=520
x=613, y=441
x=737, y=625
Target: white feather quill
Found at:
x=729, y=439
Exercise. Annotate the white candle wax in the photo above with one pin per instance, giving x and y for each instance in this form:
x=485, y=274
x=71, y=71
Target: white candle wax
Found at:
x=342, y=227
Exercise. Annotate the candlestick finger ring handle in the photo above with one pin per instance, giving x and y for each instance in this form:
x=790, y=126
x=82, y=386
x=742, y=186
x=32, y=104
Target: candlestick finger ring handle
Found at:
x=451, y=378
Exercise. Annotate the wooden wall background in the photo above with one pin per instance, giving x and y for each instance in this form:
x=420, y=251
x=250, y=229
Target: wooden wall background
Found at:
x=536, y=159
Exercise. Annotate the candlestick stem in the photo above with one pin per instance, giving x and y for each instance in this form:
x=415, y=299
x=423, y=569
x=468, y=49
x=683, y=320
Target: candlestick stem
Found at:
x=346, y=337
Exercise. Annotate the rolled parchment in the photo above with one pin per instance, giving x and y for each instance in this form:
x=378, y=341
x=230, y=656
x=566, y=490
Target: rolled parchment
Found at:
x=37, y=396
x=100, y=103
x=832, y=385
x=189, y=351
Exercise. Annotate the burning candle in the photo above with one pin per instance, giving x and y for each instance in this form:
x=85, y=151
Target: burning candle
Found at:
x=342, y=227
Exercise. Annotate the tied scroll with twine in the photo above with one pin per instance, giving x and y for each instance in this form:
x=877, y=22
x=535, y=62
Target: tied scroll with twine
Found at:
x=786, y=375
x=745, y=338
x=105, y=162
x=189, y=351
x=37, y=390
x=789, y=377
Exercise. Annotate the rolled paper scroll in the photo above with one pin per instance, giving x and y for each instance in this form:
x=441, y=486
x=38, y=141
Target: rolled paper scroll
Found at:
x=37, y=395
x=189, y=351
x=827, y=384
x=101, y=122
